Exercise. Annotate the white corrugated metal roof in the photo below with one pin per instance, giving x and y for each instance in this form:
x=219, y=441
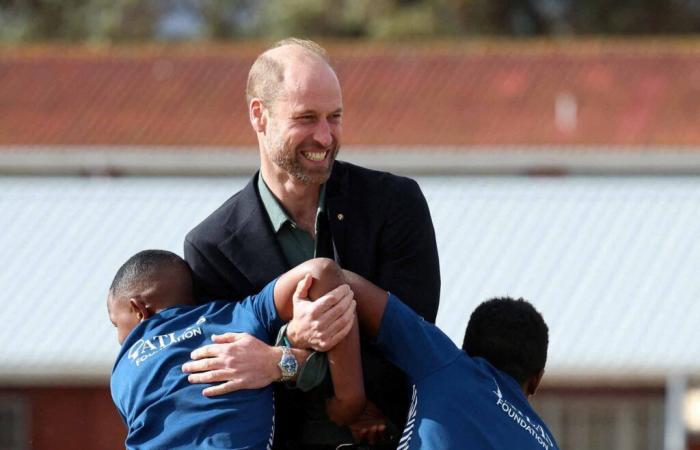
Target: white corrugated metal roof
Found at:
x=62, y=241
x=611, y=263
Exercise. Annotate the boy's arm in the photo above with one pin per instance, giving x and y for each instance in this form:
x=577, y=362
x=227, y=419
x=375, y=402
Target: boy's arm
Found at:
x=407, y=340
x=320, y=324
x=344, y=362
x=371, y=303
x=345, y=365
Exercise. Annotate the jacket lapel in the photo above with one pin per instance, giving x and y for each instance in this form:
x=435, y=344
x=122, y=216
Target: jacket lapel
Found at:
x=338, y=208
x=252, y=245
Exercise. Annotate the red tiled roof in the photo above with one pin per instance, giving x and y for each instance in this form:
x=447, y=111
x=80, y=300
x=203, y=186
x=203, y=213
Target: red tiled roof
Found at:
x=610, y=93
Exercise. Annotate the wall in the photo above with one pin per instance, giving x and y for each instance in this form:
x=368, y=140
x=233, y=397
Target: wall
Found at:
x=68, y=418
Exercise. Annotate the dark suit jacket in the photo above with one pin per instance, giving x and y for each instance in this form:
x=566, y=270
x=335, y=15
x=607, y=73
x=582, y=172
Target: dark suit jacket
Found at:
x=381, y=229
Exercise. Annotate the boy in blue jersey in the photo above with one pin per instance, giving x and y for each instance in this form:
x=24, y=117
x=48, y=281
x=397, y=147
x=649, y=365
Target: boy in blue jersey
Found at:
x=158, y=324
x=470, y=398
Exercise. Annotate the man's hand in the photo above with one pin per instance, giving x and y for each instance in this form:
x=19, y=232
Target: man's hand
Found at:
x=240, y=360
x=321, y=324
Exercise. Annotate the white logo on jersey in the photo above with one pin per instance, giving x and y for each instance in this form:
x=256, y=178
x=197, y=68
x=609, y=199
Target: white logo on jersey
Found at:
x=146, y=348
x=535, y=429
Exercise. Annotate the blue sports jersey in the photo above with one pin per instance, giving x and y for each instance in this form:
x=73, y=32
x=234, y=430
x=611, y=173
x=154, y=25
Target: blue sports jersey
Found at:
x=458, y=402
x=162, y=410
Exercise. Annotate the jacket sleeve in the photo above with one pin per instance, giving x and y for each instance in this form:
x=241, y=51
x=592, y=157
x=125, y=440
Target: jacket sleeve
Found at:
x=409, y=265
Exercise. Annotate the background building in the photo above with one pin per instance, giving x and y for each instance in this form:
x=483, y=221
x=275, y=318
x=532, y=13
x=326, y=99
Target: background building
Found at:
x=563, y=172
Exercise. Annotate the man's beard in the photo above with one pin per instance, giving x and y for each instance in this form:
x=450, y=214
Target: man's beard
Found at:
x=289, y=160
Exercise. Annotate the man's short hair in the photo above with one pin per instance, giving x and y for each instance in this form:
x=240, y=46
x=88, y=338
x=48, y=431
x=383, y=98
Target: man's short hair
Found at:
x=142, y=268
x=510, y=334
x=267, y=74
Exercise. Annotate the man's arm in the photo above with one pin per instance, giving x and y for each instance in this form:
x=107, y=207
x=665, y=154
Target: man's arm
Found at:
x=238, y=361
x=331, y=312
x=321, y=325
x=243, y=363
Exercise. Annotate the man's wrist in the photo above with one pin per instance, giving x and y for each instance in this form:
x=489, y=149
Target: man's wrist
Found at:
x=299, y=354
x=275, y=356
x=288, y=365
x=292, y=336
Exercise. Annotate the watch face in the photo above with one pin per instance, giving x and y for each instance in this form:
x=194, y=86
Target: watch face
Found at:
x=288, y=364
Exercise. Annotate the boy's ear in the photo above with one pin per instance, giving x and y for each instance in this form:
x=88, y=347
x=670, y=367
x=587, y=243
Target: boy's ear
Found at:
x=139, y=308
x=534, y=383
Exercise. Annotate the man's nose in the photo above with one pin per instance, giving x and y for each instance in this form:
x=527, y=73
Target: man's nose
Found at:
x=323, y=133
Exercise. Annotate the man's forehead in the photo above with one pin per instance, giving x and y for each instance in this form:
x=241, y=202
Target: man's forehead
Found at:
x=301, y=100
x=309, y=71
x=301, y=66
x=312, y=92
x=285, y=54
x=308, y=81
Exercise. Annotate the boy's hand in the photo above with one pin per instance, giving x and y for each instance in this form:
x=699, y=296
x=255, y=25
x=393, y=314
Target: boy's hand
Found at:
x=370, y=427
x=321, y=324
x=240, y=360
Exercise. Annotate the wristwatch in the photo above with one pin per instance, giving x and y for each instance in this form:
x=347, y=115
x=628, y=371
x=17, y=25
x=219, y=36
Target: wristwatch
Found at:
x=288, y=364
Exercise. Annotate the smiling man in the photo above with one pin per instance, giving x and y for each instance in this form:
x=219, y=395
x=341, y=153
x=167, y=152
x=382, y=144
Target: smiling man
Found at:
x=304, y=204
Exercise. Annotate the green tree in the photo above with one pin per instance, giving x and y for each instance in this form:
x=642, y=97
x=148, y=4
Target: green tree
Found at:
x=76, y=20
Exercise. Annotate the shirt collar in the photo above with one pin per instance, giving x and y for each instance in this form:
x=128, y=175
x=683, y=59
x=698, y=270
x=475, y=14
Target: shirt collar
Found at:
x=278, y=215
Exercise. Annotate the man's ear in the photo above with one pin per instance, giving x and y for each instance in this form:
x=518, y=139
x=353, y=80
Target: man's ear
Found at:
x=534, y=383
x=258, y=115
x=139, y=308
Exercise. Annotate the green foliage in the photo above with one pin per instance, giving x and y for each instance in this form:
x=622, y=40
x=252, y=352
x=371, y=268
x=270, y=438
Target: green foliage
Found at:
x=315, y=17
x=380, y=19
x=139, y=20
x=417, y=20
x=635, y=16
x=76, y=20
x=230, y=19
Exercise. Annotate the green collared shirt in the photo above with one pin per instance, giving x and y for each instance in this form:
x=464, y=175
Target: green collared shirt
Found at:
x=297, y=244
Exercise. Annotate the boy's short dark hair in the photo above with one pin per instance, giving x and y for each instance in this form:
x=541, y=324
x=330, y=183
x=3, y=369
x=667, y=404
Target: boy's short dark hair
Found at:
x=143, y=267
x=510, y=334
